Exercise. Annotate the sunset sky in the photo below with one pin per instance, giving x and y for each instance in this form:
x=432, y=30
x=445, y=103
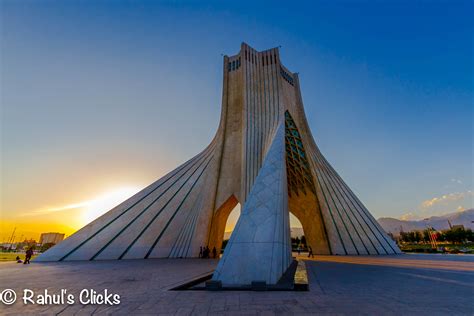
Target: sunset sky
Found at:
x=99, y=99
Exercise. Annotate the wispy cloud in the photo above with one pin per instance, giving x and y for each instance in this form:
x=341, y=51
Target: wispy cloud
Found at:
x=409, y=217
x=454, y=183
x=93, y=208
x=446, y=198
x=439, y=205
x=49, y=210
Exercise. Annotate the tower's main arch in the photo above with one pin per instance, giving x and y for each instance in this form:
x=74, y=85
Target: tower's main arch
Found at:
x=262, y=156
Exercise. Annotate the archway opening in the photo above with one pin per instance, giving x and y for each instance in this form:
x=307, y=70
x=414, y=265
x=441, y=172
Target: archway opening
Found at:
x=298, y=238
x=302, y=195
x=230, y=225
x=223, y=223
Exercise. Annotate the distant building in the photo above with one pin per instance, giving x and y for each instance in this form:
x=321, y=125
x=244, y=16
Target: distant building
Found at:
x=7, y=245
x=54, y=238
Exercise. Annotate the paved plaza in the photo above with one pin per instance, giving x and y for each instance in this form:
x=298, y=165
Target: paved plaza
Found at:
x=382, y=285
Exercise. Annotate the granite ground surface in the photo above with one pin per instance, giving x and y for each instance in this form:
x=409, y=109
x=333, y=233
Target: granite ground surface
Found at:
x=382, y=285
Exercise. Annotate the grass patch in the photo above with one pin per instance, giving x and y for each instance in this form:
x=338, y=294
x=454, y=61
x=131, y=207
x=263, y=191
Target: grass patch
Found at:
x=11, y=256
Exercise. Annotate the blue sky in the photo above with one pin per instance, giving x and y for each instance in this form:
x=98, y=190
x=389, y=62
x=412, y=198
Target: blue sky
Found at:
x=100, y=95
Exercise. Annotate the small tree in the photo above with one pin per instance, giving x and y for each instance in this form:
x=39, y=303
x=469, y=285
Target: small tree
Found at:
x=469, y=234
x=404, y=237
x=426, y=235
x=47, y=246
x=457, y=235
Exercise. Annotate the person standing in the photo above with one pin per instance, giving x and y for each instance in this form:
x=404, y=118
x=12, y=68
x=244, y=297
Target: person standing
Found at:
x=310, y=252
x=29, y=253
x=200, y=252
x=214, y=252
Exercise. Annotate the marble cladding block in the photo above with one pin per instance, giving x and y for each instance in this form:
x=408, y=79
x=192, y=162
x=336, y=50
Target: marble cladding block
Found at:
x=258, y=249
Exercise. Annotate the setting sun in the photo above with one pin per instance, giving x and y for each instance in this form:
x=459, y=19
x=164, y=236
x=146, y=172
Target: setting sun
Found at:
x=94, y=208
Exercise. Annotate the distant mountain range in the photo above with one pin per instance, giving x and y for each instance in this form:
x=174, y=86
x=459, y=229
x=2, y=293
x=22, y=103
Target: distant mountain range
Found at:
x=393, y=225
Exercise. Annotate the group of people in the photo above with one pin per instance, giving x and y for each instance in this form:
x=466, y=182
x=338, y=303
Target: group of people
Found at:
x=205, y=252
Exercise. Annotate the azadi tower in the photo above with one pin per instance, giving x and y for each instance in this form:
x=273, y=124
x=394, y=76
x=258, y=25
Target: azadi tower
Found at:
x=263, y=156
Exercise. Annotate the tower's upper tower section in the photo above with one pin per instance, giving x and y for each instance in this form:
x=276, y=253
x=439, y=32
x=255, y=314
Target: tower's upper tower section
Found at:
x=261, y=74
x=257, y=90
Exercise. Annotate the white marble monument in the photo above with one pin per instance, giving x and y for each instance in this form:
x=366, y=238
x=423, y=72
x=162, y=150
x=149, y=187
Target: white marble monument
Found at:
x=262, y=156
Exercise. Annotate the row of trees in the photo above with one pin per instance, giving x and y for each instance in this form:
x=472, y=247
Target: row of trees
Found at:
x=453, y=235
x=23, y=246
x=456, y=235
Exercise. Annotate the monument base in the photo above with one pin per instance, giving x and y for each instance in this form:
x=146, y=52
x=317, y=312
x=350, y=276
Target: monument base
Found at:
x=295, y=278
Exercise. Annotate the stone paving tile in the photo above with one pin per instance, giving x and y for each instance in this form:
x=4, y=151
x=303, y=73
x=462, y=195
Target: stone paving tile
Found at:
x=335, y=288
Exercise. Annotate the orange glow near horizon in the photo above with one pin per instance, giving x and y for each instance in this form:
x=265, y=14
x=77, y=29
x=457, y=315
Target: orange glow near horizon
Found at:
x=65, y=219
